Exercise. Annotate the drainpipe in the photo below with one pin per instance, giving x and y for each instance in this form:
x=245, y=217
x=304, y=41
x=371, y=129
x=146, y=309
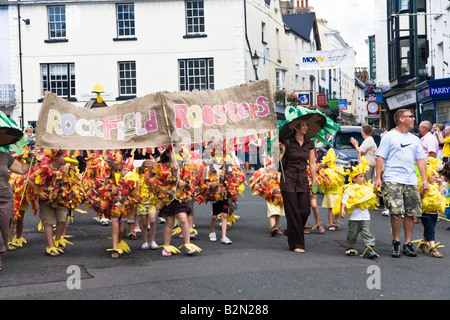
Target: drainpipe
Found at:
x=246, y=36
x=22, y=120
x=416, y=60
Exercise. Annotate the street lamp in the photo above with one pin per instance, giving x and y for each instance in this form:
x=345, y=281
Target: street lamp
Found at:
x=255, y=62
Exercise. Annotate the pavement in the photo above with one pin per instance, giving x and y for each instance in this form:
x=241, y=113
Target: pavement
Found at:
x=255, y=267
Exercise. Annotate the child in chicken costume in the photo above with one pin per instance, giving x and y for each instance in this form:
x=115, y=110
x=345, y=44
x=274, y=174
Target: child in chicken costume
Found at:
x=265, y=182
x=113, y=197
x=163, y=181
x=224, y=181
x=98, y=166
x=190, y=172
x=56, y=183
x=433, y=202
x=357, y=201
x=23, y=195
x=146, y=210
x=332, y=180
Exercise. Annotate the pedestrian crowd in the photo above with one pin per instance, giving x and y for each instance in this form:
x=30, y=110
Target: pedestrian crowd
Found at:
x=137, y=189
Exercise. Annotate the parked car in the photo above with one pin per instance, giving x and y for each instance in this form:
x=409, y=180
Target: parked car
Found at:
x=347, y=156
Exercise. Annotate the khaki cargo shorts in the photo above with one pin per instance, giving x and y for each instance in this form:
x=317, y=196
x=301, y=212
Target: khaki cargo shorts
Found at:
x=50, y=216
x=402, y=199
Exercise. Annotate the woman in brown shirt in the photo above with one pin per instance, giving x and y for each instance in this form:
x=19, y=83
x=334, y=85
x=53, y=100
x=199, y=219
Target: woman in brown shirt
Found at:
x=294, y=185
x=7, y=163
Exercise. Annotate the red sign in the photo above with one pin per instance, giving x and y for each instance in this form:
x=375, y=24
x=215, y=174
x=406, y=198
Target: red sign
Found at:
x=322, y=100
x=373, y=107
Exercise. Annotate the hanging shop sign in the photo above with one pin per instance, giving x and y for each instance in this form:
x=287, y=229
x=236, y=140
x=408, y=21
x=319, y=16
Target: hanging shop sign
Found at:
x=401, y=100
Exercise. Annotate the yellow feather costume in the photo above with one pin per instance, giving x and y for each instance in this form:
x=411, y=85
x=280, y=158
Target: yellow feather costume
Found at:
x=361, y=196
x=433, y=200
x=332, y=176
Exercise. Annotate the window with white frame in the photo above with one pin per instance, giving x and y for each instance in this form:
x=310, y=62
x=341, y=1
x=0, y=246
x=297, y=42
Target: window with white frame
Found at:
x=196, y=74
x=58, y=78
x=56, y=22
x=125, y=20
x=127, y=78
x=263, y=33
x=280, y=79
x=195, y=17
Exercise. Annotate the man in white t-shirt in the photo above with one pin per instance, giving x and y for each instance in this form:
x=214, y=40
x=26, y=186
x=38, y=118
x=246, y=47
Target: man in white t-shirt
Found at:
x=398, y=151
x=428, y=140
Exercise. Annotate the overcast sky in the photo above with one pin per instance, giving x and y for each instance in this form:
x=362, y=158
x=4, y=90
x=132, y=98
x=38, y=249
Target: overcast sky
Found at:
x=354, y=19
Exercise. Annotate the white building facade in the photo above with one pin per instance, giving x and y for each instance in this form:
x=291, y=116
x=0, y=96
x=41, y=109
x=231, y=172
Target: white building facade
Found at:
x=303, y=36
x=433, y=23
x=439, y=38
x=8, y=102
x=337, y=83
x=133, y=48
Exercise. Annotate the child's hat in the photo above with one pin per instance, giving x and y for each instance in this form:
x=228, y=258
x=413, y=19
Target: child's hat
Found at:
x=330, y=157
x=433, y=164
x=362, y=167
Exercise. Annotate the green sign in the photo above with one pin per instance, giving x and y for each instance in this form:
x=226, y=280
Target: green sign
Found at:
x=333, y=104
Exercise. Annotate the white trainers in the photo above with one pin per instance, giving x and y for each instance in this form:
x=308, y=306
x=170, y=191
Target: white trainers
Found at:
x=145, y=246
x=153, y=245
x=226, y=240
x=212, y=236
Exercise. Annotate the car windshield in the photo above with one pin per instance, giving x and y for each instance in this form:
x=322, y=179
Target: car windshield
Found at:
x=343, y=139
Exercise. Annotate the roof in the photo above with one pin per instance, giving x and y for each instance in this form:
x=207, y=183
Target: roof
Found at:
x=301, y=24
x=57, y=2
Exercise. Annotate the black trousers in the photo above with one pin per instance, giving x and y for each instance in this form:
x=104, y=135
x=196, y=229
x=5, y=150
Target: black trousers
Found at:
x=297, y=208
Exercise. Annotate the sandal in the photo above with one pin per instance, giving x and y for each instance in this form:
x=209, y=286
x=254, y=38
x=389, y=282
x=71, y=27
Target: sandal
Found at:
x=61, y=244
x=115, y=253
x=190, y=252
x=369, y=253
x=307, y=230
x=423, y=245
x=319, y=227
x=191, y=248
x=132, y=236
x=434, y=252
x=53, y=251
x=351, y=252
x=273, y=231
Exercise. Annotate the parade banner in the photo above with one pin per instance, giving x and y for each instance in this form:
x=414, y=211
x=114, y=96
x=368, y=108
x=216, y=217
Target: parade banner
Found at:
x=158, y=119
x=316, y=60
x=223, y=114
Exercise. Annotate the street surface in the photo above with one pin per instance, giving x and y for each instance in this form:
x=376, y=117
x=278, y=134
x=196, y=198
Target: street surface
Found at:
x=255, y=267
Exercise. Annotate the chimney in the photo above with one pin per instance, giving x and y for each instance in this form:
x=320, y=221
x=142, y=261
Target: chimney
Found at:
x=304, y=8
